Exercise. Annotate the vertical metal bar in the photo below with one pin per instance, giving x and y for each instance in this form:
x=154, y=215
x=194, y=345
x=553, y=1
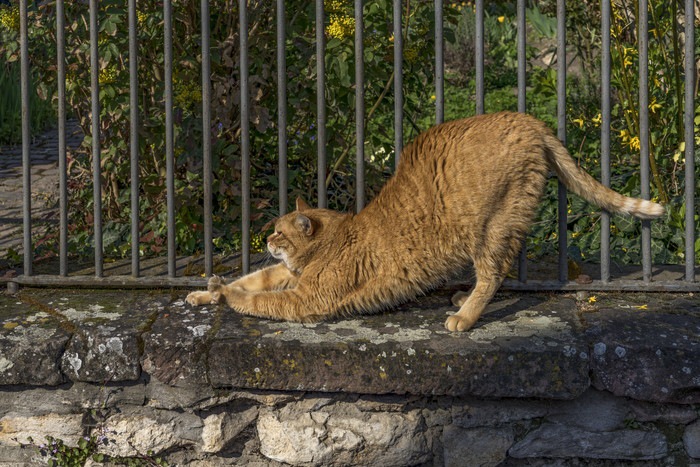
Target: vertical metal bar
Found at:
x=561, y=133
x=245, y=137
x=62, y=166
x=96, y=151
x=282, y=108
x=26, y=159
x=644, y=130
x=398, y=82
x=522, y=107
x=206, y=141
x=321, y=102
x=606, y=116
x=169, y=131
x=439, y=65
x=479, y=61
x=689, y=141
x=359, y=109
x=522, y=63
x=134, y=138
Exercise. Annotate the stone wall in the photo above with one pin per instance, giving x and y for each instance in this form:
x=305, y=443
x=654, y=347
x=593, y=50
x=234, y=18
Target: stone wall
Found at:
x=542, y=380
x=273, y=428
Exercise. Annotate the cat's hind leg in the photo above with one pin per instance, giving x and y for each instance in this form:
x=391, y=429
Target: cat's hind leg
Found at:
x=491, y=267
x=472, y=305
x=205, y=297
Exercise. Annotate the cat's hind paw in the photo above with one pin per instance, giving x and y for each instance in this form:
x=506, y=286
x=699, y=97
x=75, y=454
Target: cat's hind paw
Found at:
x=458, y=323
x=215, y=284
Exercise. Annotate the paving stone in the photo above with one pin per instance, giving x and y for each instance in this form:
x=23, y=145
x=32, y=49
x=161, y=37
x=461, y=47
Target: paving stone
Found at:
x=43, y=154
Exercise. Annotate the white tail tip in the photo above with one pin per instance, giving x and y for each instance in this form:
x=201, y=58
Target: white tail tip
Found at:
x=643, y=209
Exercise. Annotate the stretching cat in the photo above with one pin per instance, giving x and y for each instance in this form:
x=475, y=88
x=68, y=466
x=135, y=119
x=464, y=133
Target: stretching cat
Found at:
x=466, y=190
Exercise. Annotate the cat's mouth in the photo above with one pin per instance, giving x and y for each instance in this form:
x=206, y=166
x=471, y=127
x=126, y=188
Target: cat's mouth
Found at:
x=277, y=253
x=281, y=255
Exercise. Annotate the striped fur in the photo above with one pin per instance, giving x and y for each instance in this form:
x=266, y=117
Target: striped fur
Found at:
x=465, y=191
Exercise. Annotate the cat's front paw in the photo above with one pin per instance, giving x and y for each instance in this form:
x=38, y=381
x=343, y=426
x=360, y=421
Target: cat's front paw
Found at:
x=198, y=298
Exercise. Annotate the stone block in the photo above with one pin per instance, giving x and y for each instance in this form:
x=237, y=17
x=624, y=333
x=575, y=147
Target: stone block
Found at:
x=176, y=344
x=691, y=440
x=140, y=430
x=31, y=344
x=478, y=447
x=164, y=396
x=18, y=428
x=560, y=441
x=651, y=356
x=221, y=428
x=342, y=434
x=594, y=411
x=674, y=414
x=105, y=325
x=529, y=348
x=485, y=413
x=69, y=398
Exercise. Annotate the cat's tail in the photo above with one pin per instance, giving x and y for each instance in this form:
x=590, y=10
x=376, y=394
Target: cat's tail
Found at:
x=579, y=182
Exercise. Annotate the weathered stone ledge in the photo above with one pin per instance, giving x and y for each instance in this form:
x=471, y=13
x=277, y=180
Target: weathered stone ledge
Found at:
x=541, y=377
x=551, y=346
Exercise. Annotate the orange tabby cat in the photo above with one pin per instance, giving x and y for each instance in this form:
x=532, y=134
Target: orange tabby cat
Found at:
x=464, y=191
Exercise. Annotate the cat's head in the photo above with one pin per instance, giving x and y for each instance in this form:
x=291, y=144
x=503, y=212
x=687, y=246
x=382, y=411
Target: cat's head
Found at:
x=297, y=235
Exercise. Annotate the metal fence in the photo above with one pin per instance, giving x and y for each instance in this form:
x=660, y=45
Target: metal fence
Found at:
x=686, y=283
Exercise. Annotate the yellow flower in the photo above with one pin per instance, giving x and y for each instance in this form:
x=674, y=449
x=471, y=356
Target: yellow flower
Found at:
x=625, y=135
x=333, y=6
x=258, y=243
x=501, y=19
x=432, y=97
x=628, y=54
x=9, y=18
x=141, y=17
x=654, y=106
x=634, y=143
x=592, y=299
x=107, y=75
x=341, y=26
x=597, y=119
x=579, y=122
x=679, y=152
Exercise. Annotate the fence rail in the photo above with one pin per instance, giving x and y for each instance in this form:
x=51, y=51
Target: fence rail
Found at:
x=560, y=283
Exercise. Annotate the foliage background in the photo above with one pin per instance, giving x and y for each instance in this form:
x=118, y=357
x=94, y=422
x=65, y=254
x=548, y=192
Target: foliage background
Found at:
x=583, y=104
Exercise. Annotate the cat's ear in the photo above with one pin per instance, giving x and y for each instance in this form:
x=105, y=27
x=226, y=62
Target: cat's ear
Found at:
x=304, y=224
x=302, y=205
